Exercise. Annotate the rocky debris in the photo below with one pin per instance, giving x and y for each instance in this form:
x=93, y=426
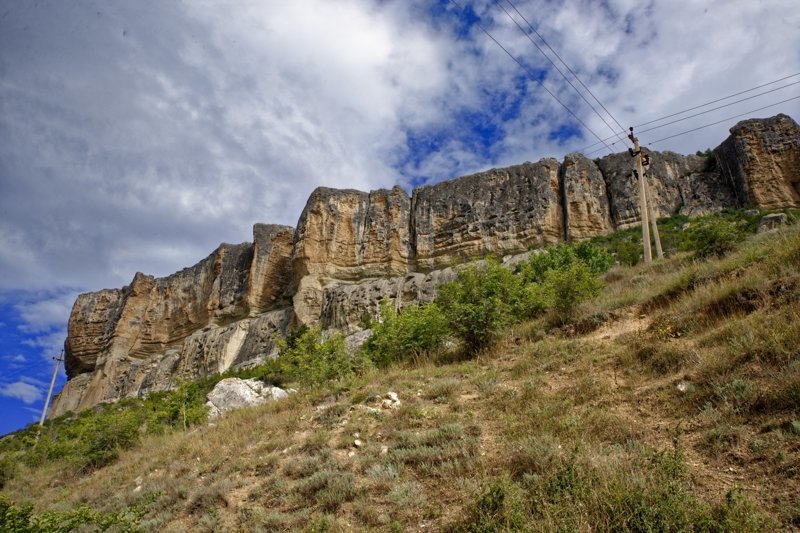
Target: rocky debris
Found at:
x=761, y=158
x=391, y=401
x=771, y=222
x=235, y=393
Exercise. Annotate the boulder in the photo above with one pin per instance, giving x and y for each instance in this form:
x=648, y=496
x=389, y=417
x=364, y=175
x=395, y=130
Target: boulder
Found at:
x=235, y=393
x=771, y=222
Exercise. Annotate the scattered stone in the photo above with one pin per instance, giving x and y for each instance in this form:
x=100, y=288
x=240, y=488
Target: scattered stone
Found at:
x=357, y=443
x=235, y=393
x=751, y=212
x=686, y=226
x=384, y=450
x=685, y=387
x=771, y=222
x=392, y=401
x=351, y=453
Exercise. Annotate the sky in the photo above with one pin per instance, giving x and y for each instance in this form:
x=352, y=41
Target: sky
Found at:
x=138, y=135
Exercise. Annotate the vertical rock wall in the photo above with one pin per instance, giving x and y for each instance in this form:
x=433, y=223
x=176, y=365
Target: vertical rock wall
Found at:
x=353, y=248
x=761, y=159
x=501, y=211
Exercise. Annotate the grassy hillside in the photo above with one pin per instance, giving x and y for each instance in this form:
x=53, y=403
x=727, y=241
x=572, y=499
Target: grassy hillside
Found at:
x=668, y=401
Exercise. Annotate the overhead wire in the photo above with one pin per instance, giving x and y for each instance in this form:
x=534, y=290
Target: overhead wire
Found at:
x=533, y=77
x=718, y=108
x=514, y=7
x=724, y=120
x=717, y=100
x=497, y=3
x=707, y=104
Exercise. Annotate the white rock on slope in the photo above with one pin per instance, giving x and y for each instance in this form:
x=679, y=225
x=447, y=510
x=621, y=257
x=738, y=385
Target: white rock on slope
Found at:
x=235, y=393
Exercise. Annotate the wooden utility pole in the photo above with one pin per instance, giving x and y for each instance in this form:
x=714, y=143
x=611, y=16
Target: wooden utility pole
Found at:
x=637, y=154
x=50, y=393
x=654, y=223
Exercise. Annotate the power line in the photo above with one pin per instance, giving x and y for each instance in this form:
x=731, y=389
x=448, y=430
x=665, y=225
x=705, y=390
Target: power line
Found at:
x=717, y=100
x=554, y=64
x=702, y=105
x=531, y=75
x=723, y=120
x=621, y=127
x=719, y=107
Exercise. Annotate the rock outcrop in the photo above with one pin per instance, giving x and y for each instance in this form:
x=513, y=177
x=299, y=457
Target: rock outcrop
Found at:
x=587, y=212
x=501, y=211
x=761, y=160
x=235, y=393
x=351, y=249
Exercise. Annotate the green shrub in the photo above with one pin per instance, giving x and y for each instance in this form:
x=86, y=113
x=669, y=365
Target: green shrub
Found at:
x=416, y=330
x=562, y=257
x=20, y=519
x=565, y=289
x=716, y=237
x=312, y=359
x=481, y=302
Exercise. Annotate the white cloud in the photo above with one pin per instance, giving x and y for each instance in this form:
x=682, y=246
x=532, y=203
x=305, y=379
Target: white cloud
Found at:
x=22, y=390
x=144, y=138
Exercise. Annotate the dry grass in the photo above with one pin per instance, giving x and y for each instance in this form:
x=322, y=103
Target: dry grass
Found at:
x=543, y=431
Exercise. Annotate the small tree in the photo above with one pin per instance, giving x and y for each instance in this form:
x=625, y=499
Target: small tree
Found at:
x=565, y=289
x=311, y=359
x=481, y=302
x=416, y=330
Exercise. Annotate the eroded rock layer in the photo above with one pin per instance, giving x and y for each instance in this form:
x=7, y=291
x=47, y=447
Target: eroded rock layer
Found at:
x=762, y=161
x=351, y=249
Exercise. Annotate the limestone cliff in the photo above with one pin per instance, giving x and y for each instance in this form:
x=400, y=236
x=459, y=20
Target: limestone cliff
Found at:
x=500, y=211
x=352, y=248
x=762, y=161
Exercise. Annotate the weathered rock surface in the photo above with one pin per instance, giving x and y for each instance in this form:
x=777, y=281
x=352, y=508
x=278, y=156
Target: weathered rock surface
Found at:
x=761, y=158
x=587, y=212
x=271, y=271
x=501, y=211
x=351, y=249
x=235, y=393
x=347, y=235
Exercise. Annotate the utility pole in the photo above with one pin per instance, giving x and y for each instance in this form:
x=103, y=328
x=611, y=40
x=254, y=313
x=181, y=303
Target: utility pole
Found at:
x=639, y=171
x=654, y=224
x=650, y=209
x=49, y=393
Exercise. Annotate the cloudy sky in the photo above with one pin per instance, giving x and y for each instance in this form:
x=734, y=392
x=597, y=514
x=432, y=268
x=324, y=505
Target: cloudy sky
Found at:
x=137, y=136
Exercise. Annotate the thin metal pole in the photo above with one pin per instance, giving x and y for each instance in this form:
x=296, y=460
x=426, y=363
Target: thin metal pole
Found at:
x=50, y=393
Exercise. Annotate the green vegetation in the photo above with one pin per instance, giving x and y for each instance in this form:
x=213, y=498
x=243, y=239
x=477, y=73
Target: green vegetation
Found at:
x=679, y=411
x=309, y=358
x=20, y=518
x=418, y=330
x=481, y=302
x=708, y=235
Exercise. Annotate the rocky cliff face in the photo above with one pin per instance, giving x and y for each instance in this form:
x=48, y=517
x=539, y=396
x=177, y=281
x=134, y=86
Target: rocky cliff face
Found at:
x=762, y=161
x=352, y=248
x=500, y=211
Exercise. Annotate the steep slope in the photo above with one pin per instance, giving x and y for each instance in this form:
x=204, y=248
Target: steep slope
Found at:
x=679, y=412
